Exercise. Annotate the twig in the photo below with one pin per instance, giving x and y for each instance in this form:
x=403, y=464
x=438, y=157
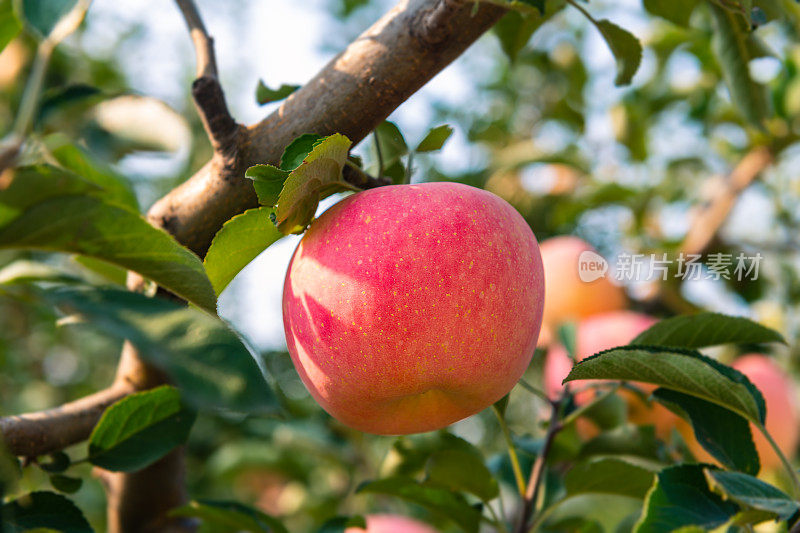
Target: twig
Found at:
x=512, y=452
x=221, y=128
x=48, y=431
x=354, y=175
x=538, y=469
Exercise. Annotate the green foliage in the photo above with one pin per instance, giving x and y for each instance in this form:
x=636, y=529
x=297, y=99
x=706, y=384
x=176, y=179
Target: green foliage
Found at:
x=45, y=208
x=230, y=517
x=675, y=11
x=435, y=139
x=706, y=329
x=681, y=498
x=66, y=484
x=339, y=524
x=751, y=493
x=140, y=429
x=9, y=24
x=43, y=509
x=239, y=241
x=265, y=95
x=723, y=434
x=44, y=15
x=208, y=361
x=610, y=475
x=441, y=501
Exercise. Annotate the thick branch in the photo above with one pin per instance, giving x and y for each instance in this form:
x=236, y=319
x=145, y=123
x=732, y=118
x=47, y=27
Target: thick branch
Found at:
x=355, y=92
x=712, y=216
x=48, y=431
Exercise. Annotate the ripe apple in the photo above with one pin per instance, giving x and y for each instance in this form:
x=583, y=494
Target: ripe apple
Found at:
x=593, y=335
x=407, y=308
x=782, y=411
x=391, y=523
x=567, y=297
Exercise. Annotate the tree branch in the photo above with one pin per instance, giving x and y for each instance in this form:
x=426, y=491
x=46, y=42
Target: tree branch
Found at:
x=48, y=431
x=712, y=216
x=203, y=43
x=351, y=95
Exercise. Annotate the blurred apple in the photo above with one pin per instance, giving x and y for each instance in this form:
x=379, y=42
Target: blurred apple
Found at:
x=391, y=523
x=407, y=308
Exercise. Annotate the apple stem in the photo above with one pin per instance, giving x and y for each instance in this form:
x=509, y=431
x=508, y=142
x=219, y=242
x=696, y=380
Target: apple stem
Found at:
x=786, y=464
x=538, y=469
x=512, y=452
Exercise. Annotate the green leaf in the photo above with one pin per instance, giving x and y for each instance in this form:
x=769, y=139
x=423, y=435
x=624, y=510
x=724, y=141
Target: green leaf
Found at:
x=687, y=372
x=200, y=353
x=59, y=461
x=681, y=498
x=317, y=177
x=69, y=156
x=610, y=475
x=268, y=182
x=105, y=270
x=752, y=493
x=223, y=516
x=723, y=433
x=607, y=511
x=60, y=98
x=435, y=139
x=676, y=11
x=706, y=329
x=462, y=469
x=26, y=271
x=298, y=150
x=437, y=500
x=9, y=24
x=50, y=209
x=626, y=49
x=729, y=43
x=514, y=31
x=239, y=241
x=140, y=429
x=339, y=524
x=392, y=147
x=66, y=484
x=265, y=95
x=44, y=15
x=628, y=440
x=43, y=510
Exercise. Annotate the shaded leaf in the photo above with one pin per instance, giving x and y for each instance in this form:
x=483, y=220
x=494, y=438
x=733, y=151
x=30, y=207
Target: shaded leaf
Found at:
x=626, y=49
x=723, y=433
x=514, y=31
x=140, y=429
x=675, y=11
x=298, y=150
x=706, y=329
x=729, y=43
x=440, y=501
x=268, y=182
x=66, y=484
x=58, y=462
x=633, y=440
x=435, y=138
x=339, y=524
x=392, y=147
x=43, y=509
x=200, y=353
x=610, y=475
x=317, y=177
x=230, y=517
x=50, y=209
x=44, y=15
x=751, y=492
x=681, y=498
x=265, y=95
x=239, y=241
x=62, y=97
x=683, y=371
x=462, y=469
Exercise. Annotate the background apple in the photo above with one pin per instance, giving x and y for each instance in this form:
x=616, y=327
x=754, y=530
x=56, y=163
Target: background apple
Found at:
x=595, y=334
x=409, y=307
x=567, y=297
x=391, y=523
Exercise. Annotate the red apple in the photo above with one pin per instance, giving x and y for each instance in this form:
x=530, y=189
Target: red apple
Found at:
x=391, y=523
x=567, y=297
x=410, y=307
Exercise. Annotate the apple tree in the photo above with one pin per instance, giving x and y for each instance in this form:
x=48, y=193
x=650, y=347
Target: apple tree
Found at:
x=567, y=303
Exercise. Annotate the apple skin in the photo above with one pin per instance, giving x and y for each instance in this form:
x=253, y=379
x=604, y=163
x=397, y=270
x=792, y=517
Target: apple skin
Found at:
x=593, y=335
x=391, y=523
x=782, y=411
x=567, y=298
x=409, y=307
